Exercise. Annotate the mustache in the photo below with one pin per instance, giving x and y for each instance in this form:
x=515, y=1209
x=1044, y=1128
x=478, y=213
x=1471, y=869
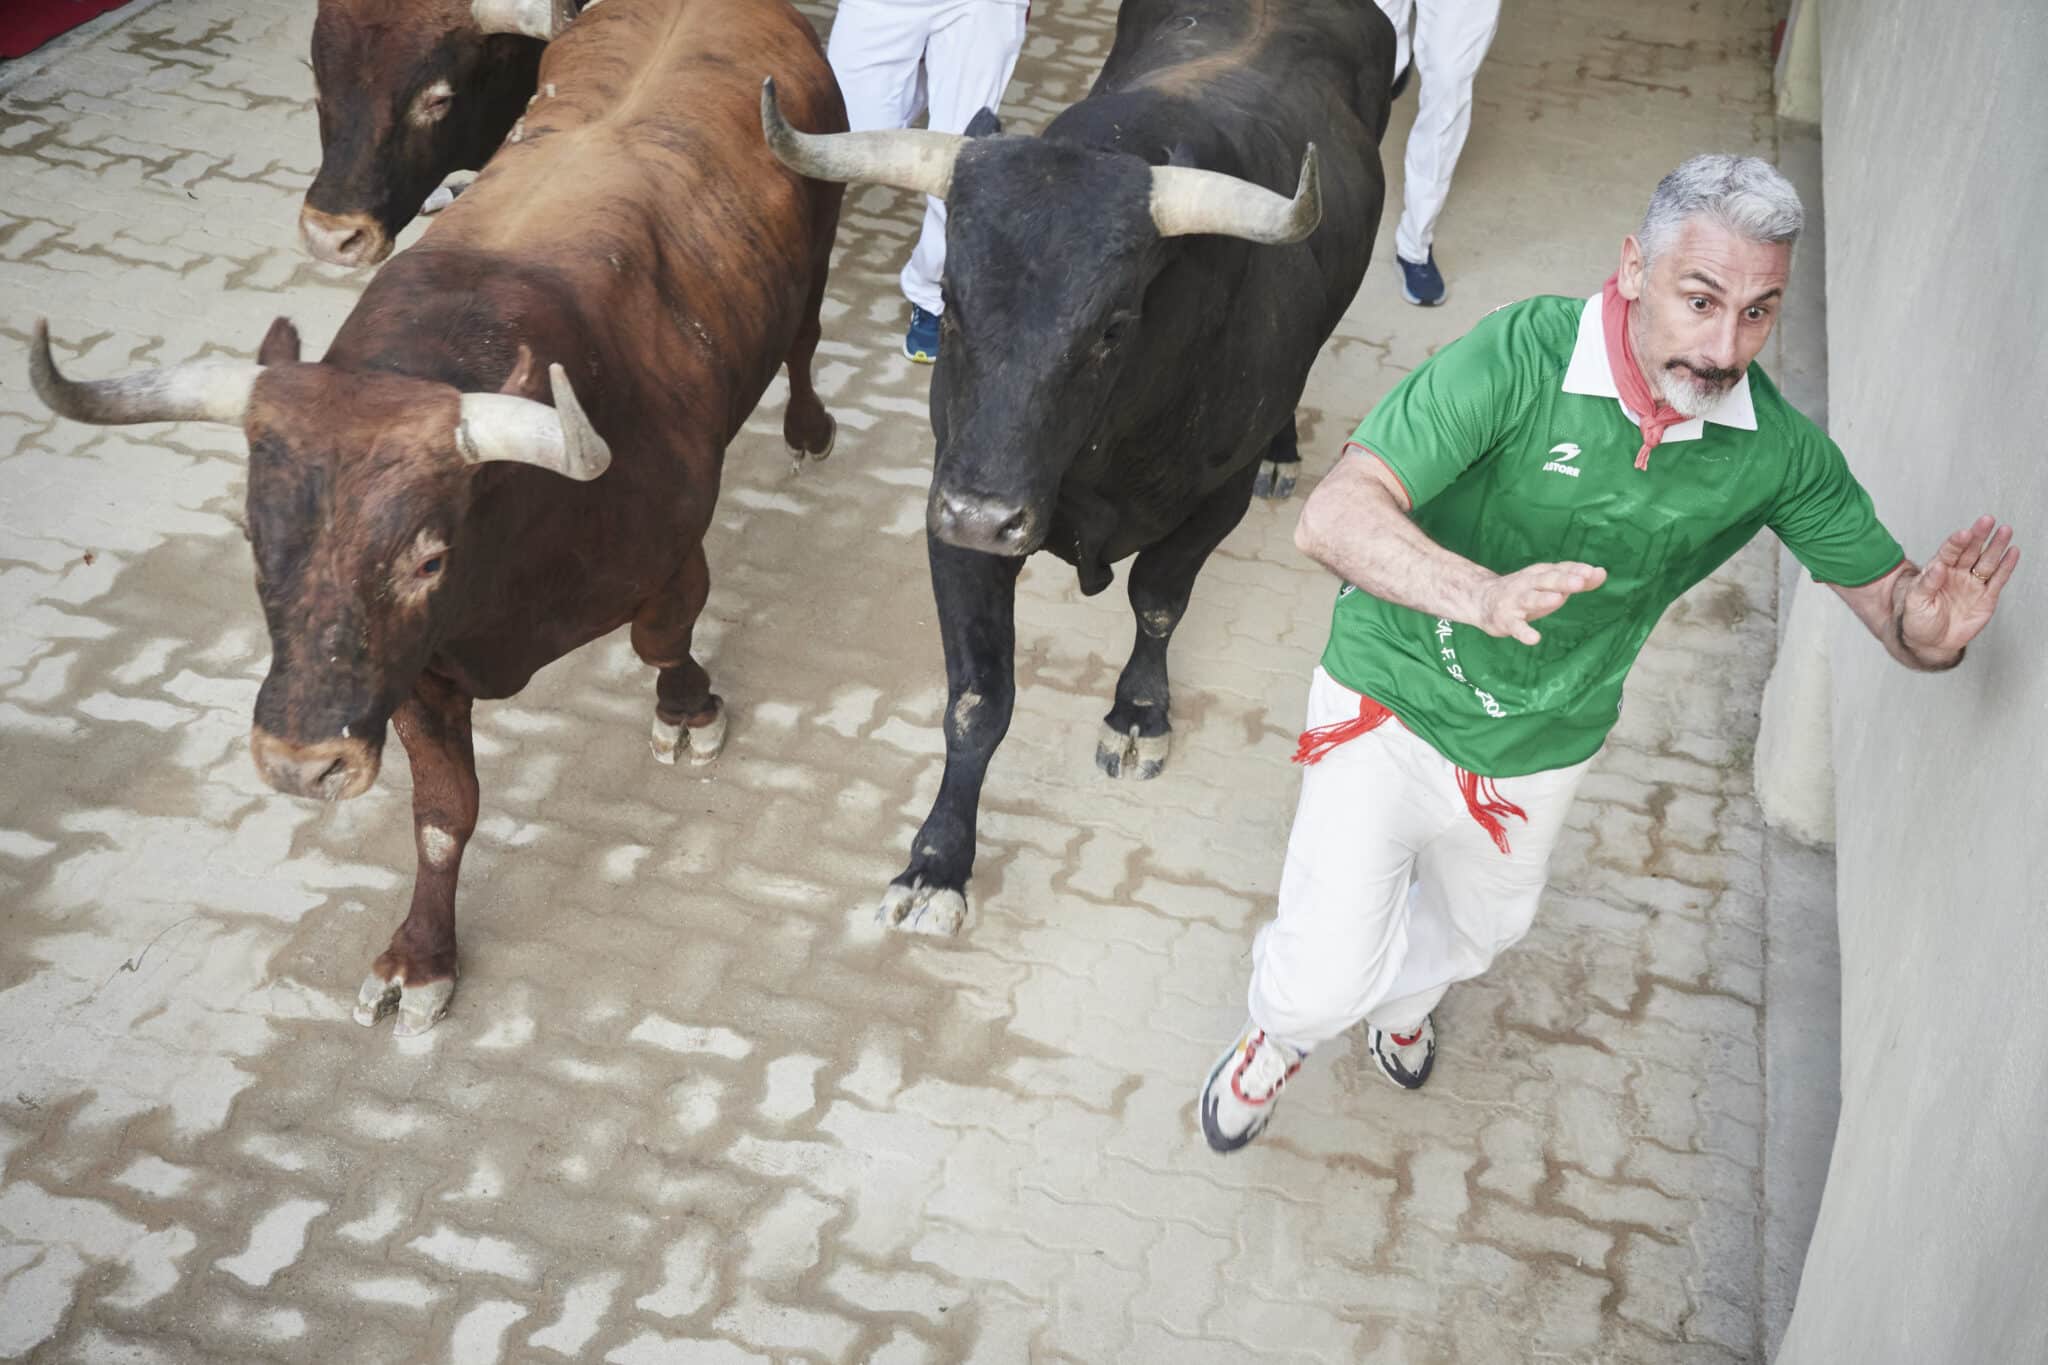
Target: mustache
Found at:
x=1706, y=373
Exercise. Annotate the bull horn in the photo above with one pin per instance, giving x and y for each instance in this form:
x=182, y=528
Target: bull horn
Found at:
x=1188, y=201
x=905, y=158
x=196, y=391
x=542, y=19
x=498, y=426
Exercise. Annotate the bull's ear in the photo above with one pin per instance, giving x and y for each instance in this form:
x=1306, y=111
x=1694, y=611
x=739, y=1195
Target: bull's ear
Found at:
x=984, y=123
x=280, y=344
x=523, y=381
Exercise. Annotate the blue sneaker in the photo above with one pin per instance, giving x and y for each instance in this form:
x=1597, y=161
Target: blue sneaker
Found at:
x=1422, y=285
x=921, y=342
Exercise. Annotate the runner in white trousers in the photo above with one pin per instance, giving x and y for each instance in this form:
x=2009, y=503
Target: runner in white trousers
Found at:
x=1449, y=40
x=1508, y=525
x=896, y=58
x=1466, y=898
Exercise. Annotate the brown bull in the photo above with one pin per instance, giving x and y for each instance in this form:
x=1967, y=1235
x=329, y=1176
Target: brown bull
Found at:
x=407, y=91
x=427, y=528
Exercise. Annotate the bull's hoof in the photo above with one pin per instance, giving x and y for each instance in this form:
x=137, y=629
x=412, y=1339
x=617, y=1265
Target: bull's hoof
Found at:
x=1136, y=757
x=799, y=454
x=922, y=910
x=419, y=1007
x=665, y=740
x=706, y=742
x=1276, y=480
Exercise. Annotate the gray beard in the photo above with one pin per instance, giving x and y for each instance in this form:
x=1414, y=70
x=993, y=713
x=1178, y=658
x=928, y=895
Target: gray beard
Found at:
x=1687, y=395
x=1690, y=396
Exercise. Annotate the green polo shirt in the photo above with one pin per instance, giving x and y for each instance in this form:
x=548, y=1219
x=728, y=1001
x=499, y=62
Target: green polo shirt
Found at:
x=1515, y=449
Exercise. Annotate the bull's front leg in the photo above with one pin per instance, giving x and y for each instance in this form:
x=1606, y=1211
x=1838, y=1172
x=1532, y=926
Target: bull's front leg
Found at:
x=1136, y=735
x=684, y=702
x=415, y=976
x=977, y=601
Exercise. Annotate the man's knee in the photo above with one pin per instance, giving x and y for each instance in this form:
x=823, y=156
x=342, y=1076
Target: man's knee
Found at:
x=1512, y=922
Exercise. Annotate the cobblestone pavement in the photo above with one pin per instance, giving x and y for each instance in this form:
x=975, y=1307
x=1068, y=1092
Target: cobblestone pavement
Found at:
x=690, y=1104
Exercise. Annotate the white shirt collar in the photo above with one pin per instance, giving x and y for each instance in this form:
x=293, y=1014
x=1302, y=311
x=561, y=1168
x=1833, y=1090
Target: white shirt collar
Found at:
x=1590, y=374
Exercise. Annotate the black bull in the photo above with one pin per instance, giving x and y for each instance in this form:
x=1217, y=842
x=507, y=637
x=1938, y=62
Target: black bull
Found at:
x=1118, y=353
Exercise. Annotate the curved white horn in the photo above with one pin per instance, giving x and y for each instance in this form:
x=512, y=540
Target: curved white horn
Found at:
x=196, y=391
x=906, y=158
x=542, y=19
x=498, y=426
x=1188, y=201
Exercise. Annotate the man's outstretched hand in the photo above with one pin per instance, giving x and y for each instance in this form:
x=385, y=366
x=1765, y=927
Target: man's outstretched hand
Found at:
x=1952, y=599
x=1510, y=602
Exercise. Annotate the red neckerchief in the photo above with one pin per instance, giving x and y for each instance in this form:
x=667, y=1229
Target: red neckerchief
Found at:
x=1628, y=376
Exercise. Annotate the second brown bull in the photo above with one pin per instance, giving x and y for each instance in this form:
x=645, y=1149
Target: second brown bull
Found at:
x=407, y=91
x=513, y=445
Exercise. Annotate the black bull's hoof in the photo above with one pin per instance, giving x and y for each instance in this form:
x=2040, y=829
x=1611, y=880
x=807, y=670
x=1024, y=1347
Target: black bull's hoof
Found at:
x=919, y=909
x=1136, y=757
x=1276, y=479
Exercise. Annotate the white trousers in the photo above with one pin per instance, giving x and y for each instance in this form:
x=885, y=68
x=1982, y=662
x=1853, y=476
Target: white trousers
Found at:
x=897, y=58
x=1450, y=40
x=1392, y=892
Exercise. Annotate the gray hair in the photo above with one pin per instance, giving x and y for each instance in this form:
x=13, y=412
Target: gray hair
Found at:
x=1744, y=194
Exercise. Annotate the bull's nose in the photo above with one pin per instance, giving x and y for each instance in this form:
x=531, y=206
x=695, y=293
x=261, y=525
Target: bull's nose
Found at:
x=992, y=525
x=330, y=770
x=343, y=238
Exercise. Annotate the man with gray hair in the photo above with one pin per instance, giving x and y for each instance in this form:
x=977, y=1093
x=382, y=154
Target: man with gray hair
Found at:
x=1578, y=463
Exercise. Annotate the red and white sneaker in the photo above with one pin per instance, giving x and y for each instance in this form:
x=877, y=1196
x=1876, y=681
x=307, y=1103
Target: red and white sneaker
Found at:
x=1237, y=1100
x=1405, y=1058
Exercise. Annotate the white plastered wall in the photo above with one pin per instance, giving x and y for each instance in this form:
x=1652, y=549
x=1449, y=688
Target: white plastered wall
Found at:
x=1932, y=1244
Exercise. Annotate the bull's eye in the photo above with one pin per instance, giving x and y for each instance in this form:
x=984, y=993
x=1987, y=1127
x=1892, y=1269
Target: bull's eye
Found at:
x=430, y=567
x=432, y=105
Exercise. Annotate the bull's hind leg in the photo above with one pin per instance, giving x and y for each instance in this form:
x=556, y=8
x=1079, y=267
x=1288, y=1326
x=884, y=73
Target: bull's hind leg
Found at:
x=1282, y=465
x=977, y=602
x=416, y=975
x=684, y=702
x=1136, y=735
x=807, y=429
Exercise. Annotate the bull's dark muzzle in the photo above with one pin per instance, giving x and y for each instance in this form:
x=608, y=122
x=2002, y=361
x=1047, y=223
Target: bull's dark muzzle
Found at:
x=350, y=239
x=328, y=770
x=977, y=521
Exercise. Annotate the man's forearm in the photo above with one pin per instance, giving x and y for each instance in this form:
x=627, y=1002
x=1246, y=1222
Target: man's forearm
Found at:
x=1354, y=526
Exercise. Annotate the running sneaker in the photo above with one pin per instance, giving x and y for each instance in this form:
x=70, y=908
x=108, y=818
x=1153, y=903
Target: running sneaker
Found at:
x=1422, y=285
x=921, y=341
x=1405, y=1058
x=1237, y=1101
